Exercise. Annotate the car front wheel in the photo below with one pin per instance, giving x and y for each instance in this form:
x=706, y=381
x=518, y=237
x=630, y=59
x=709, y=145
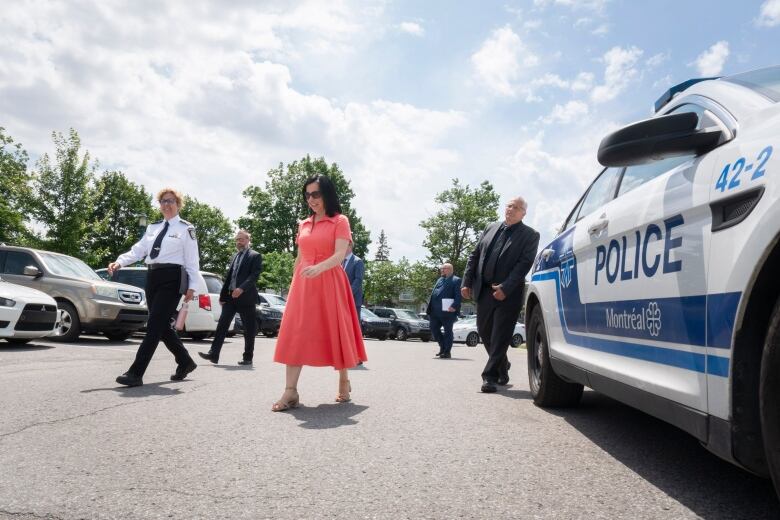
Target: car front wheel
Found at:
x=769, y=396
x=472, y=339
x=517, y=340
x=547, y=389
x=401, y=334
x=117, y=336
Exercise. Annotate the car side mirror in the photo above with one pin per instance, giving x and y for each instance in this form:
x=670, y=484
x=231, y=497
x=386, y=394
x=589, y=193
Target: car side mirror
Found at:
x=33, y=271
x=658, y=138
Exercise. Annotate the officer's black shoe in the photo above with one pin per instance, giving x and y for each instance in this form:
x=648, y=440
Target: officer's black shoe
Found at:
x=183, y=370
x=129, y=379
x=446, y=355
x=488, y=387
x=503, y=379
x=245, y=362
x=209, y=356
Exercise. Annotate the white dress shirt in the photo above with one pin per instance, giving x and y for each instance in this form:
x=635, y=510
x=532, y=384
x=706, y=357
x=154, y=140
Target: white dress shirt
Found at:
x=178, y=246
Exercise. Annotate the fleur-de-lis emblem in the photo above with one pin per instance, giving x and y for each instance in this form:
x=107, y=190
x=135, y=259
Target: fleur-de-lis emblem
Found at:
x=653, y=314
x=567, y=270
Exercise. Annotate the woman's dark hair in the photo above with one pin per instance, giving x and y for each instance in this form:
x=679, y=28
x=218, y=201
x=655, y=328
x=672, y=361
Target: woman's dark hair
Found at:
x=329, y=196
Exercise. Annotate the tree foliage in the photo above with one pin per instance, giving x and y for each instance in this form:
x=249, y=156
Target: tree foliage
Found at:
x=274, y=210
x=382, y=282
x=114, y=218
x=453, y=231
x=63, y=196
x=215, y=234
x=14, y=190
x=383, y=250
x=277, y=271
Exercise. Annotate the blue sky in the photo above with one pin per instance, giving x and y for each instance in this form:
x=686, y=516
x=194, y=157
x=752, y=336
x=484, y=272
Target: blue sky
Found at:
x=404, y=96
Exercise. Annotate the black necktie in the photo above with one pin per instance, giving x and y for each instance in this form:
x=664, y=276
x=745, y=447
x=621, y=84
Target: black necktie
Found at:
x=489, y=271
x=236, y=265
x=158, y=241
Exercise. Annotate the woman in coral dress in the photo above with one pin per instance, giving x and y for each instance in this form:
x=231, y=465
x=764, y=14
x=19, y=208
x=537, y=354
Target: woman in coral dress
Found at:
x=320, y=326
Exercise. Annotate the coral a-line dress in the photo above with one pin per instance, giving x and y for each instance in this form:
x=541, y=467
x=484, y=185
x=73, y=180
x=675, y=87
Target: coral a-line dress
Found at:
x=320, y=326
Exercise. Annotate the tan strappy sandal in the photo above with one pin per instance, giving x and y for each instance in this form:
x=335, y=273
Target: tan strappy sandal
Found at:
x=281, y=406
x=343, y=397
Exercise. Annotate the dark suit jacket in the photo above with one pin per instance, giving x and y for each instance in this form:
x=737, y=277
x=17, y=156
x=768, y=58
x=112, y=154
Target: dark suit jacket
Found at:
x=517, y=257
x=449, y=289
x=248, y=273
x=355, y=270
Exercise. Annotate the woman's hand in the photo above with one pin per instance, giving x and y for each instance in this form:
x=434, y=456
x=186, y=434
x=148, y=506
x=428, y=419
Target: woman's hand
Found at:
x=312, y=271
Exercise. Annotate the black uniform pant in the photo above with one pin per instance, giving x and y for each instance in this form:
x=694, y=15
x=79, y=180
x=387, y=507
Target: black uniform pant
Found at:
x=248, y=317
x=496, y=324
x=162, y=297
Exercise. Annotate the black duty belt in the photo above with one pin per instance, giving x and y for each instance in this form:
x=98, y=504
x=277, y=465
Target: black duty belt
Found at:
x=163, y=266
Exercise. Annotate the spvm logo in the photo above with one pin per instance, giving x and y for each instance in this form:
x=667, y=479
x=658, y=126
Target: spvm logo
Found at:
x=567, y=272
x=646, y=319
x=653, y=316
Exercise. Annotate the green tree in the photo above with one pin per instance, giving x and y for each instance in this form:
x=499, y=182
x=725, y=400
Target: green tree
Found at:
x=62, y=195
x=14, y=190
x=114, y=219
x=453, y=231
x=277, y=271
x=215, y=234
x=382, y=282
x=420, y=278
x=274, y=210
x=383, y=250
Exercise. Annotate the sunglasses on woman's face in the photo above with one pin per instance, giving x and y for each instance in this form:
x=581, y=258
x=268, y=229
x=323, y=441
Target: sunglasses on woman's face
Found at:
x=313, y=194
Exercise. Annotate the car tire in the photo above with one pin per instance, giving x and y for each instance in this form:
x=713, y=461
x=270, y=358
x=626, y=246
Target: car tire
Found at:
x=70, y=325
x=18, y=341
x=117, y=336
x=547, y=389
x=425, y=339
x=382, y=337
x=472, y=339
x=517, y=340
x=198, y=336
x=769, y=402
x=401, y=334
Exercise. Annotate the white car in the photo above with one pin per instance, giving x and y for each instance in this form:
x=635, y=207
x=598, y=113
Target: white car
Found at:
x=518, y=337
x=203, y=311
x=661, y=289
x=25, y=314
x=465, y=331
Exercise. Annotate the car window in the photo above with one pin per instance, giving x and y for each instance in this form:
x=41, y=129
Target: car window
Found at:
x=134, y=277
x=63, y=265
x=600, y=192
x=572, y=218
x=381, y=312
x=213, y=283
x=367, y=313
x=409, y=315
x=3, y=254
x=16, y=261
x=273, y=299
x=766, y=81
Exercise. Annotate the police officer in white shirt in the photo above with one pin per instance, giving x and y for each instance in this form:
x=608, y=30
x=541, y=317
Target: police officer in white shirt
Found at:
x=171, y=251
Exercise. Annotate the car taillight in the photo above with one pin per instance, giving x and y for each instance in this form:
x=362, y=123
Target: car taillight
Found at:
x=204, y=302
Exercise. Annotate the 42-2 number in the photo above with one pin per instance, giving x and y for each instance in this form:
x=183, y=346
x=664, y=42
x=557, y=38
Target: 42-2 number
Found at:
x=729, y=177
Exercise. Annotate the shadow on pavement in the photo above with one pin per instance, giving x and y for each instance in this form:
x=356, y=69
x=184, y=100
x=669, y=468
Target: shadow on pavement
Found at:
x=513, y=393
x=326, y=416
x=28, y=347
x=234, y=367
x=672, y=460
x=140, y=391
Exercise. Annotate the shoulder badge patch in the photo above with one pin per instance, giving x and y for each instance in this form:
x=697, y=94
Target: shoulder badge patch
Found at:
x=191, y=231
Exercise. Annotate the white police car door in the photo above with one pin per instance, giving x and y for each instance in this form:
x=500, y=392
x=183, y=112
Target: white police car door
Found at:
x=642, y=272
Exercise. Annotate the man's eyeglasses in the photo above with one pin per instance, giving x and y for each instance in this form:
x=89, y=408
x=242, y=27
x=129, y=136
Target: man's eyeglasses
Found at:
x=167, y=201
x=313, y=195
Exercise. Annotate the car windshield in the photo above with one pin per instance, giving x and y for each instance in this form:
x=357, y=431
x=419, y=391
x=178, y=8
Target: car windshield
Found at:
x=367, y=313
x=273, y=299
x=213, y=283
x=403, y=313
x=764, y=81
x=62, y=265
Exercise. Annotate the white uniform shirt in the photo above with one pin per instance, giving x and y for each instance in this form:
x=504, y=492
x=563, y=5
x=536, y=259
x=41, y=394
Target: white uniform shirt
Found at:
x=178, y=246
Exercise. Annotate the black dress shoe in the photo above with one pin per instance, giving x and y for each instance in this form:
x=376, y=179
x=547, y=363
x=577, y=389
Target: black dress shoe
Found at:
x=183, y=370
x=488, y=387
x=438, y=354
x=503, y=379
x=209, y=357
x=445, y=356
x=129, y=379
x=245, y=362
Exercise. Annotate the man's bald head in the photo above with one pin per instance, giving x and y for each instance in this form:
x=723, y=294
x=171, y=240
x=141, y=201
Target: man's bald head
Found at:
x=446, y=270
x=515, y=210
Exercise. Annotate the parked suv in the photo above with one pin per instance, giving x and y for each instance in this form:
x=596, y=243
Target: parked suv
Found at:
x=404, y=323
x=87, y=304
x=268, y=313
x=202, y=312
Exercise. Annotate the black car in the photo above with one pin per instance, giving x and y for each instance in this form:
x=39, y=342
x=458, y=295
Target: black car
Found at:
x=268, y=314
x=404, y=323
x=373, y=326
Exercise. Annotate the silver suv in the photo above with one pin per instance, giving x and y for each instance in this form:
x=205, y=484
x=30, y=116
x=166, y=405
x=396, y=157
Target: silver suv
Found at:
x=87, y=303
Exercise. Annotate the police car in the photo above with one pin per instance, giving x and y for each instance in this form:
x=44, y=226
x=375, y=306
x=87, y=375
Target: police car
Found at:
x=662, y=288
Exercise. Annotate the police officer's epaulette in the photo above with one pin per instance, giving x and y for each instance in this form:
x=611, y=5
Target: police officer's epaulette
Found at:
x=185, y=222
x=158, y=222
x=190, y=229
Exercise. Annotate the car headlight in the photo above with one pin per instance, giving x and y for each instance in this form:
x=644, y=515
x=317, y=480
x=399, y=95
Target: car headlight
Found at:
x=105, y=291
x=7, y=302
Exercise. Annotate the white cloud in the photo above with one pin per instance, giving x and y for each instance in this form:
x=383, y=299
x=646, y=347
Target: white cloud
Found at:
x=571, y=111
x=583, y=81
x=593, y=5
x=502, y=60
x=711, y=61
x=550, y=80
x=657, y=60
x=532, y=24
x=619, y=72
x=412, y=28
x=601, y=30
x=770, y=14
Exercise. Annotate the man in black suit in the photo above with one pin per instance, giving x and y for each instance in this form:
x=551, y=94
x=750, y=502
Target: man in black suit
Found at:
x=495, y=278
x=446, y=290
x=239, y=295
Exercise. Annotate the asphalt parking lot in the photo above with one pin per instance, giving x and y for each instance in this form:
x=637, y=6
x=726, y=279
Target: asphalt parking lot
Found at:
x=418, y=440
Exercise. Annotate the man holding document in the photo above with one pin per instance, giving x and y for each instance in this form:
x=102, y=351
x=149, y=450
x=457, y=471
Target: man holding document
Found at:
x=443, y=309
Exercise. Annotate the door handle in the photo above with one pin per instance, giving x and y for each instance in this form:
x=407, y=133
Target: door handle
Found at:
x=599, y=225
